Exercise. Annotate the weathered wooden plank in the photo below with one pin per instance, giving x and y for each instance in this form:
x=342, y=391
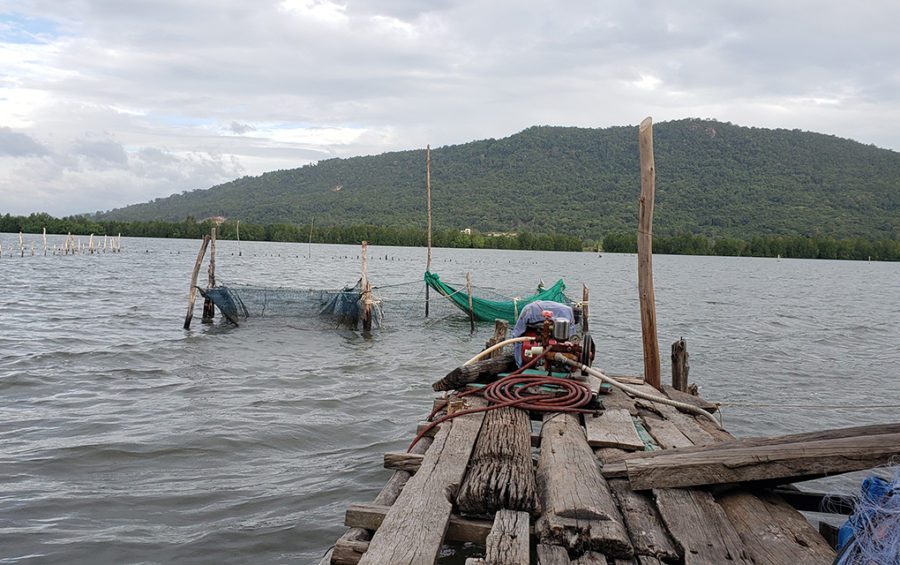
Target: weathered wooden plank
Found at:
x=616, y=470
x=348, y=552
x=591, y=558
x=414, y=527
x=403, y=461
x=612, y=428
x=508, y=543
x=552, y=555
x=772, y=531
x=619, y=400
x=608, y=455
x=647, y=532
x=578, y=510
x=371, y=516
x=666, y=433
x=535, y=438
x=715, y=465
x=501, y=472
x=697, y=401
x=461, y=376
x=687, y=425
x=699, y=527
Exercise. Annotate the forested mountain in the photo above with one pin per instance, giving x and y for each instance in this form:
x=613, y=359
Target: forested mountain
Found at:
x=713, y=178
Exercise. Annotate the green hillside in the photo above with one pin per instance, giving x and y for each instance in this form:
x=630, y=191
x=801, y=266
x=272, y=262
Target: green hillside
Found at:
x=713, y=178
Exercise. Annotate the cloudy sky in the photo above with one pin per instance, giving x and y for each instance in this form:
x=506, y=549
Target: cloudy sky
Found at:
x=104, y=103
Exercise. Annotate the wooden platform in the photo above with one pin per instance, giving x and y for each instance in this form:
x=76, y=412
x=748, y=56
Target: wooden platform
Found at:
x=552, y=504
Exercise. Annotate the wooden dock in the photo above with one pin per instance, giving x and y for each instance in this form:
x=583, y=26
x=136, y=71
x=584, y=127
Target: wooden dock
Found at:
x=634, y=482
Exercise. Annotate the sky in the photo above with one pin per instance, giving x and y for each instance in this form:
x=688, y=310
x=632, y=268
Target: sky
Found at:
x=105, y=103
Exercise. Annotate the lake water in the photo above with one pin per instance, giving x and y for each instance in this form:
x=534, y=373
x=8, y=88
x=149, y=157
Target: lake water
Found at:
x=124, y=439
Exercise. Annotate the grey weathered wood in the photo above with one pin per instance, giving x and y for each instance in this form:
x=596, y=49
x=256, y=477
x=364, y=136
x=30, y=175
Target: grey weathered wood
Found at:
x=535, y=437
x=666, y=433
x=552, y=555
x=612, y=428
x=501, y=328
x=772, y=531
x=371, y=517
x=591, y=558
x=192, y=296
x=403, y=461
x=414, y=527
x=687, y=425
x=508, y=543
x=647, y=532
x=699, y=527
x=680, y=365
x=578, y=509
x=348, y=552
x=792, y=460
x=501, y=472
x=617, y=469
x=209, y=309
x=461, y=376
x=476, y=561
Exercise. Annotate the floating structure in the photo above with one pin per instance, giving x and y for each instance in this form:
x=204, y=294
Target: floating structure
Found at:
x=535, y=456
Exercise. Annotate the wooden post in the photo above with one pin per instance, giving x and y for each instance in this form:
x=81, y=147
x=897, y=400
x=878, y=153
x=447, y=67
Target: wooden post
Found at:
x=471, y=309
x=209, y=309
x=680, y=366
x=91, y=245
x=585, y=301
x=237, y=232
x=309, y=245
x=119, y=243
x=366, y=292
x=501, y=328
x=193, y=294
x=645, y=256
x=428, y=207
x=21, y=244
x=45, y=241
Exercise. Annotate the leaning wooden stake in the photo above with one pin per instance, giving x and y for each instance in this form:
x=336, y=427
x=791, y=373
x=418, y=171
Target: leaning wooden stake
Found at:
x=645, y=256
x=471, y=309
x=193, y=294
x=366, y=292
x=209, y=309
x=428, y=207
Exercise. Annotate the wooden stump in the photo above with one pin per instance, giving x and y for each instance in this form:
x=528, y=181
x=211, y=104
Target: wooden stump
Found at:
x=501, y=473
x=501, y=328
x=680, y=366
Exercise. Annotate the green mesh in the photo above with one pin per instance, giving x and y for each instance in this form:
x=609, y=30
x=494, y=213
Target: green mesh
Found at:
x=490, y=310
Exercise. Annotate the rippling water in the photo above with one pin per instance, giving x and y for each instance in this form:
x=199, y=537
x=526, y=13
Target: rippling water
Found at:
x=125, y=439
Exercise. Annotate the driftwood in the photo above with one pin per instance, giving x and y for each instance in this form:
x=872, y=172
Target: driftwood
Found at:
x=461, y=376
x=789, y=460
x=772, y=531
x=647, y=532
x=501, y=473
x=699, y=527
x=579, y=512
x=414, y=527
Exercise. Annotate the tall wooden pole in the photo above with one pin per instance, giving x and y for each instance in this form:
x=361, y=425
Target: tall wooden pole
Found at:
x=585, y=308
x=366, y=292
x=309, y=245
x=428, y=207
x=471, y=309
x=237, y=231
x=45, y=240
x=209, y=309
x=193, y=294
x=645, y=255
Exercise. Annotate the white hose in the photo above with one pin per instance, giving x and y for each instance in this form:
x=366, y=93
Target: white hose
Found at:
x=495, y=347
x=635, y=392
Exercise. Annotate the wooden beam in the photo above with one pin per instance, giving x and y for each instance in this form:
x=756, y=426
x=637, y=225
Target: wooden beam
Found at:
x=645, y=255
x=414, y=527
x=371, y=517
x=612, y=428
x=648, y=534
x=403, y=461
x=508, y=543
x=699, y=527
x=461, y=376
x=548, y=554
x=784, y=461
x=772, y=531
x=578, y=509
x=501, y=472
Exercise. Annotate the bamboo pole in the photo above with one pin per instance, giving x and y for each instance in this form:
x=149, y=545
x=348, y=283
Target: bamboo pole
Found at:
x=428, y=208
x=645, y=255
x=471, y=309
x=366, y=292
x=193, y=294
x=209, y=309
x=237, y=231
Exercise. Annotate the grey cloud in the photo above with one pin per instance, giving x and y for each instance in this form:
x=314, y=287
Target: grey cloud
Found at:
x=101, y=152
x=240, y=128
x=17, y=144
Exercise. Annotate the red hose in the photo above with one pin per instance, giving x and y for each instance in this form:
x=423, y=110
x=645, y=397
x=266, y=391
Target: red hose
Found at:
x=516, y=390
